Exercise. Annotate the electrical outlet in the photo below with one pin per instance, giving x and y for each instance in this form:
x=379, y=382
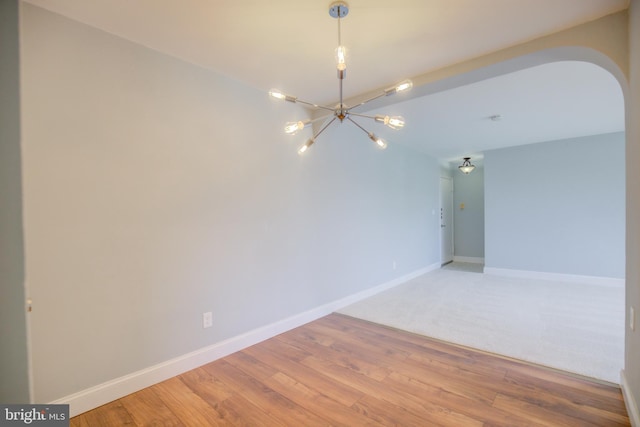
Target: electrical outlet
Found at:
x=207, y=319
x=632, y=318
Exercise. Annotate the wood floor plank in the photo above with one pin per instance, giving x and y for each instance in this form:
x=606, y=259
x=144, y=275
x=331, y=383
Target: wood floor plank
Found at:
x=353, y=359
x=251, y=366
x=317, y=403
x=186, y=404
x=573, y=386
x=416, y=402
x=570, y=401
x=240, y=412
x=423, y=399
x=146, y=408
x=536, y=413
x=259, y=395
x=469, y=386
x=110, y=415
x=277, y=357
x=476, y=409
x=339, y=370
x=206, y=385
x=387, y=413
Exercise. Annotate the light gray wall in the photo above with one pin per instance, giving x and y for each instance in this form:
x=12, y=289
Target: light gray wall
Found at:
x=155, y=190
x=14, y=379
x=557, y=207
x=446, y=170
x=632, y=343
x=469, y=222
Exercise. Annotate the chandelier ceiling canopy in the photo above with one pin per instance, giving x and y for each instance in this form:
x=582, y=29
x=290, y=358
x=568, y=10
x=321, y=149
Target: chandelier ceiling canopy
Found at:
x=341, y=111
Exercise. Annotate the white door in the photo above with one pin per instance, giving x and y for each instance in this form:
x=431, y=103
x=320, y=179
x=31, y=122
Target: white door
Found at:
x=446, y=220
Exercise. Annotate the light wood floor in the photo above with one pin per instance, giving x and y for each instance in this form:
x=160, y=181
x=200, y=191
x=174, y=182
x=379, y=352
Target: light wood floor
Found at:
x=342, y=371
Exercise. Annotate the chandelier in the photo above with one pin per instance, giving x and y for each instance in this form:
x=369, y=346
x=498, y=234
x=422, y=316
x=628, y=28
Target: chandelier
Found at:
x=341, y=111
x=466, y=167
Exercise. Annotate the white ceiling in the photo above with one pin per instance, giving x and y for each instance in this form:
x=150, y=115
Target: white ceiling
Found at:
x=544, y=103
x=289, y=44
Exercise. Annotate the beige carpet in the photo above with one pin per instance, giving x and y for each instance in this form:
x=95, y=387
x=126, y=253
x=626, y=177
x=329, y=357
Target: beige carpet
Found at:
x=573, y=327
x=464, y=266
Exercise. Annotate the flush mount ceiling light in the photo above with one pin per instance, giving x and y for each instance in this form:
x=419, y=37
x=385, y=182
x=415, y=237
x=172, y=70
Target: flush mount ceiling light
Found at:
x=466, y=167
x=341, y=111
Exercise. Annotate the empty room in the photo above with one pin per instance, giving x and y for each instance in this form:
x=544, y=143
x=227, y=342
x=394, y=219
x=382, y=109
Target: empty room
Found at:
x=321, y=213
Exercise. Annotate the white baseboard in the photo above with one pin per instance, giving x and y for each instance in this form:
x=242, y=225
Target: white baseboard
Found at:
x=471, y=259
x=109, y=391
x=571, y=278
x=629, y=401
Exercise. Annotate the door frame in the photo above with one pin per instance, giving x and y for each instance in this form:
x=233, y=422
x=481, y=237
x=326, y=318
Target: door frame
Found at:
x=448, y=187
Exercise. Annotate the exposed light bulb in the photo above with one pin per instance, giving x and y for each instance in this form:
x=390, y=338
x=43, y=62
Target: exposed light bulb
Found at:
x=277, y=94
x=306, y=146
x=293, y=128
x=341, y=58
x=405, y=85
x=380, y=143
x=400, y=87
x=395, y=122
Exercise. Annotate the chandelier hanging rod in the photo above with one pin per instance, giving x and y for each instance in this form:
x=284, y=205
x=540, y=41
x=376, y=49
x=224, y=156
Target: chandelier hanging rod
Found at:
x=339, y=10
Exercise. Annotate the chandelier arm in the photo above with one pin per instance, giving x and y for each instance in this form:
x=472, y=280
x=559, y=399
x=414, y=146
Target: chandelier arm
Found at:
x=320, y=118
x=395, y=122
x=368, y=100
x=363, y=129
x=403, y=86
x=323, y=128
x=362, y=115
x=378, y=141
x=315, y=105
